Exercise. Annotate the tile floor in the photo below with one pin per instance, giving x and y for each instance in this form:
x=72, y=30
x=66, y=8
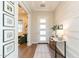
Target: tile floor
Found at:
x=42, y=51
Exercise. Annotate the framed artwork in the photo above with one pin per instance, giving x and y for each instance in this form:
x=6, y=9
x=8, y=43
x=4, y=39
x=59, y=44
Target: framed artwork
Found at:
x=12, y=2
x=60, y=26
x=8, y=7
x=8, y=49
x=8, y=34
x=8, y=21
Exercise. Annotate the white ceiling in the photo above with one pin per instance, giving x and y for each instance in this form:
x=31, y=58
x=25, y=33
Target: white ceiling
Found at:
x=49, y=5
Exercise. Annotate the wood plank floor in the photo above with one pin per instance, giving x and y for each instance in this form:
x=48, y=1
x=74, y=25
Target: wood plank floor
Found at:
x=29, y=52
x=26, y=52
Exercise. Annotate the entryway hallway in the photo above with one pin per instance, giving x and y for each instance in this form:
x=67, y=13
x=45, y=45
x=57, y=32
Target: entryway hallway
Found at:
x=39, y=29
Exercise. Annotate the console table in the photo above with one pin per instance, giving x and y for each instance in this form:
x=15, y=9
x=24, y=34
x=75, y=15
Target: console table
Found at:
x=53, y=45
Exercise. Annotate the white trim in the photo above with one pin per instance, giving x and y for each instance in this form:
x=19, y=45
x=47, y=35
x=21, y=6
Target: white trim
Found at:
x=26, y=8
x=29, y=43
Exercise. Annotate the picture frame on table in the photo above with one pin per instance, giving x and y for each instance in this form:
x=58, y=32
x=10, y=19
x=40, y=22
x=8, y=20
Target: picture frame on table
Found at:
x=8, y=35
x=8, y=7
x=60, y=27
x=8, y=49
x=8, y=21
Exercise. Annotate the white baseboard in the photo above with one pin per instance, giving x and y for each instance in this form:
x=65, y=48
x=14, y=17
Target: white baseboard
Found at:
x=34, y=42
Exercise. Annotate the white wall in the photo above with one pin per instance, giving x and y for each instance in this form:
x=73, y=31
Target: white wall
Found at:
x=28, y=10
x=67, y=13
x=35, y=24
x=14, y=54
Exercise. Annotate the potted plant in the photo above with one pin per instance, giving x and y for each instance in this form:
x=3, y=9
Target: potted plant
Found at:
x=55, y=27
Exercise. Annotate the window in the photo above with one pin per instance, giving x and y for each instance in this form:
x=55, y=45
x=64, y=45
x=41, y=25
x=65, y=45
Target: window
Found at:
x=43, y=32
x=20, y=26
x=42, y=26
x=42, y=38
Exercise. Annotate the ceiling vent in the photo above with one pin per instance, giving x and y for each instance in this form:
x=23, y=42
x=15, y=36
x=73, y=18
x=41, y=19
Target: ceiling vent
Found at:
x=42, y=5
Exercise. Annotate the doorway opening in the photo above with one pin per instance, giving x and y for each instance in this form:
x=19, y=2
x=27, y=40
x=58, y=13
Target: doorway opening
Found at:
x=22, y=25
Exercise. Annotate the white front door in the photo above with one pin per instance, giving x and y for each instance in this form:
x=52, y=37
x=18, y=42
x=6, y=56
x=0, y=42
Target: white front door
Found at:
x=42, y=31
